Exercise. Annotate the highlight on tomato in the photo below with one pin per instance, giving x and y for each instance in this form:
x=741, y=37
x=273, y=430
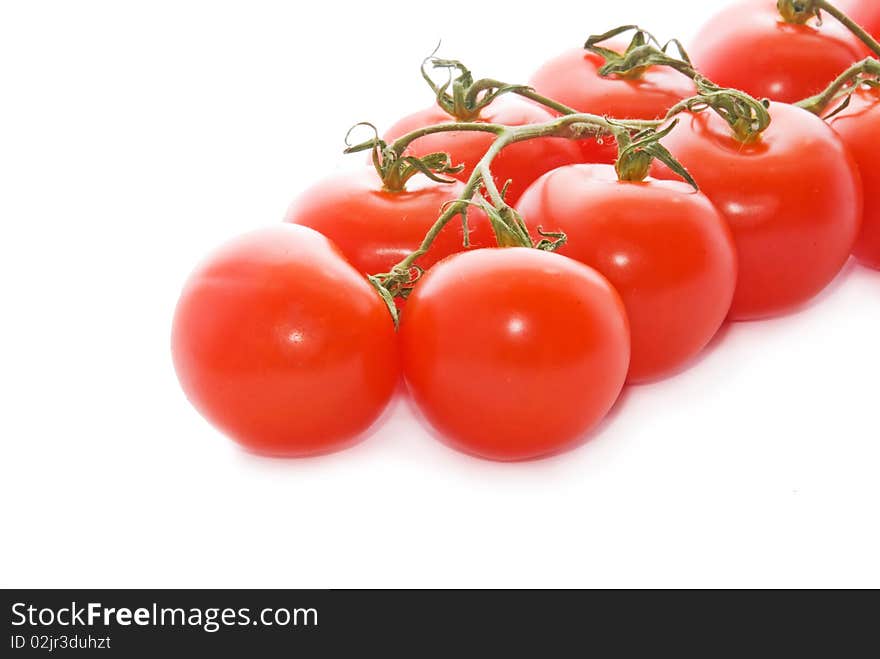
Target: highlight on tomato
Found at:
x=519, y=164
x=281, y=344
x=858, y=124
x=513, y=354
x=379, y=215
x=790, y=192
x=576, y=79
x=661, y=244
x=752, y=47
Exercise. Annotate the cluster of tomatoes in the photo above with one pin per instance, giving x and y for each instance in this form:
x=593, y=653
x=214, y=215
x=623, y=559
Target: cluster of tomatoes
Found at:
x=287, y=341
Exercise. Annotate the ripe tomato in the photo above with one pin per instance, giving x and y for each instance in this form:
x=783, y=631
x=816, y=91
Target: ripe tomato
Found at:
x=749, y=47
x=512, y=354
x=573, y=79
x=792, y=199
x=865, y=12
x=283, y=345
x=662, y=245
x=520, y=163
x=376, y=228
x=859, y=125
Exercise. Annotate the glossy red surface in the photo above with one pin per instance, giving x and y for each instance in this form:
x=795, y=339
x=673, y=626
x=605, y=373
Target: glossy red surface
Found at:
x=859, y=126
x=375, y=229
x=283, y=345
x=748, y=46
x=572, y=78
x=514, y=353
x=792, y=198
x=662, y=245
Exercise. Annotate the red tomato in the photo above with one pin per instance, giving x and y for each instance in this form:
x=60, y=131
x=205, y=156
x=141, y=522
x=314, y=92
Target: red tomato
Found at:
x=375, y=228
x=573, y=79
x=749, y=47
x=792, y=198
x=859, y=126
x=521, y=163
x=865, y=12
x=662, y=245
x=512, y=354
x=283, y=345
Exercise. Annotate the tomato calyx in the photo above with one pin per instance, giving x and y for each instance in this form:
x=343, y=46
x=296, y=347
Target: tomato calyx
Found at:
x=460, y=96
x=482, y=191
x=863, y=74
x=637, y=153
x=801, y=12
x=639, y=140
x=395, y=168
x=643, y=52
x=747, y=116
x=511, y=230
x=463, y=98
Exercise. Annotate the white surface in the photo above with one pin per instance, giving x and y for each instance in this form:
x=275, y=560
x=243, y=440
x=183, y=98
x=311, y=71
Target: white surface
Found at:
x=136, y=136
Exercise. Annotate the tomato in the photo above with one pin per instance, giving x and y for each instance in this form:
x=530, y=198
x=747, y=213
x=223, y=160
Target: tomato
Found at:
x=865, y=12
x=573, y=79
x=376, y=228
x=515, y=353
x=662, y=245
x=792, y=198
x=520, y=163
x=859, y=125
x=749, y=47
x=283, y=345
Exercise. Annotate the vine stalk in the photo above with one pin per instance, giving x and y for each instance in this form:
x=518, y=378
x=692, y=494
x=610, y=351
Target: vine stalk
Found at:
x=800, y=11
x=508, y=225
x=843, y=85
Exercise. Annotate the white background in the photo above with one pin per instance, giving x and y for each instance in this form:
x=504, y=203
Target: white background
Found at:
x=134, y=137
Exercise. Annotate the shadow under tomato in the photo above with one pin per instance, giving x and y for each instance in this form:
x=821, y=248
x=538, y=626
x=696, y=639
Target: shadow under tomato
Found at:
x=695, y=361
x=867, y=272
x=835, y=285
x=728, y=325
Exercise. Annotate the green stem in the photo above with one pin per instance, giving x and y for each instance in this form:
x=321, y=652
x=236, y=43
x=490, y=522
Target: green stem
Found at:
x=547, y=102
x=404, y=141
x=747, y=116
x=819, y=103
x=531, y=94
x=646, y=56
x=508, y=225
x=400, y=145
x=571, y=126
x=482, y=92
x=851, y=25
x=801, y=11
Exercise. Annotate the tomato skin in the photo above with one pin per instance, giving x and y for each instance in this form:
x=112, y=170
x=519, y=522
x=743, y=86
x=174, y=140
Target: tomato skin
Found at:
x=865, y=12
x=283, y=345
x=792, y=199
x=662, y=245
x=513, y=354
x=375, y=228
x=859, y=127
x=573, y=79
x=749, y=47
x=520, y=163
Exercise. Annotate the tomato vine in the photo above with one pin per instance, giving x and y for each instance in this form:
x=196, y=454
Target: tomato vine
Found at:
x=802, y=11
